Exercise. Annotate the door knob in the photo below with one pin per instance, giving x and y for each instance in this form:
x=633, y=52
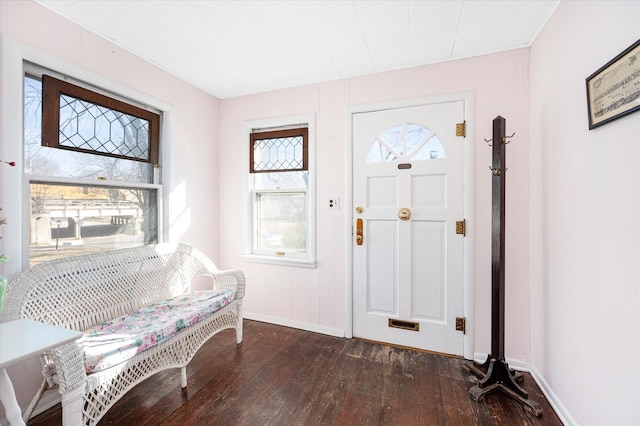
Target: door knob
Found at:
x=359, y=232
x=404, y=214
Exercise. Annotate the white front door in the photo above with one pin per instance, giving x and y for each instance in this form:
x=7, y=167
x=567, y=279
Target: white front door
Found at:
x=408, y=193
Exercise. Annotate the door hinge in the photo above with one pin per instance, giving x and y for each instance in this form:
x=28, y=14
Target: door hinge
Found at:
x=461, y=324
x=461, y=129
x=461, y=227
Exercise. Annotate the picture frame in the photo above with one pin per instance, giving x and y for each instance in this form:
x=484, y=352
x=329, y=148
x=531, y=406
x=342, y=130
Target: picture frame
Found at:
x=613, y=91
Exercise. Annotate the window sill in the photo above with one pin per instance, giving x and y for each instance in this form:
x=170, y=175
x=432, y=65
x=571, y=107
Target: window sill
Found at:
x=282, y=261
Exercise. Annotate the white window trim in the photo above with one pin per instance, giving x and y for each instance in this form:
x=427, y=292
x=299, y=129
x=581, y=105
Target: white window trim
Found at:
x=305, y=120
x=14, y=183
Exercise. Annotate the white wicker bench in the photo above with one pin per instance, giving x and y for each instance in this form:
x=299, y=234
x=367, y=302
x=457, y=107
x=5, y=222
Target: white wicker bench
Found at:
x=85, y=291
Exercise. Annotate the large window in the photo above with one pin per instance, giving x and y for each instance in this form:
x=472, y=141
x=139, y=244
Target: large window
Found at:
x=281, y=183
x=91, y=161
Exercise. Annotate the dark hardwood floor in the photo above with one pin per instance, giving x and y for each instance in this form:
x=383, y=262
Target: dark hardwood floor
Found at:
x=284, y=376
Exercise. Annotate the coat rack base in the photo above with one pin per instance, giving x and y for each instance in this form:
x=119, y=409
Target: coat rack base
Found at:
x=499, y=377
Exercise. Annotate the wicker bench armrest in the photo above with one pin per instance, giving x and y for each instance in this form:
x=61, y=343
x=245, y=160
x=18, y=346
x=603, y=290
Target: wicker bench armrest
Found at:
x=230, y=280
x=69, y=371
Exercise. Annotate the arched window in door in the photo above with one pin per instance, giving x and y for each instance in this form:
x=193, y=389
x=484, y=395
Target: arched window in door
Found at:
x=406, y=142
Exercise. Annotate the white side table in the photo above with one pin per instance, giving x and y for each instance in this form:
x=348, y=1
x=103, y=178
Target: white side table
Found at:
x=19, y=340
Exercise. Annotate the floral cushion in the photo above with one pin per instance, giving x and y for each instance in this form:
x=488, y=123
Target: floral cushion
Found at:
x=122, y=338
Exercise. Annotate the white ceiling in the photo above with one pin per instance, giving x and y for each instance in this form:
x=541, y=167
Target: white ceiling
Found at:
x=233, y=48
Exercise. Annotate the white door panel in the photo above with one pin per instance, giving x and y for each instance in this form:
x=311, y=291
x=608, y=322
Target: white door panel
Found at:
x=409, y=273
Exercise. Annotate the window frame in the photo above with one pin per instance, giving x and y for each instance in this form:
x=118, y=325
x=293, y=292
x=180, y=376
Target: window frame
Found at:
x=103, y=91
x=308, y=259
x=53, y=89
x=276, y=134
x=289, y=254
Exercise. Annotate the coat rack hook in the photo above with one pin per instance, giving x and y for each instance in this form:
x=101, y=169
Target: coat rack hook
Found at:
x=488, y=141
x=497, y=171
x=504, y=139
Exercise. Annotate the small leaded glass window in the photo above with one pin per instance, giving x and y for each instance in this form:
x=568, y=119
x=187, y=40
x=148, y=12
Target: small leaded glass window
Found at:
x=279, y=151
x=78, y=119
x=406, y=142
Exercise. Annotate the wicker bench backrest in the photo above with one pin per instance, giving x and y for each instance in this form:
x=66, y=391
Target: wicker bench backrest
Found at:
x=84, y=291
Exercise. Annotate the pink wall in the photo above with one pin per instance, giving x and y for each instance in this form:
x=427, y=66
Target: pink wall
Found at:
x=585, y=210
x=189, y=139
x=499, y=83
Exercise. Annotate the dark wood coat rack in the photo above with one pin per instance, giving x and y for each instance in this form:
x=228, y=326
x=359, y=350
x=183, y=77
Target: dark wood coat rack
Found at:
x=495, y=374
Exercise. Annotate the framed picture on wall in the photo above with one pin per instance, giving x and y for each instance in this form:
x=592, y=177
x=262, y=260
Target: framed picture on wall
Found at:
x=614, y=90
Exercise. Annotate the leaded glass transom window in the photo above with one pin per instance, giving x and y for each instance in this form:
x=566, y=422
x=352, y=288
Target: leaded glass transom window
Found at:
x=279, y=151
x=406, y=142
x=87, y=121
x=91, y=127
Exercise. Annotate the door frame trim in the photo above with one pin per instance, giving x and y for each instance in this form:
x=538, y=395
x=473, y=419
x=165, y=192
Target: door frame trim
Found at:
x=468, y=252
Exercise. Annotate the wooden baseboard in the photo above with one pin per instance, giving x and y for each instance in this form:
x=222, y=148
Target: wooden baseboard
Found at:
x=315, y=328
